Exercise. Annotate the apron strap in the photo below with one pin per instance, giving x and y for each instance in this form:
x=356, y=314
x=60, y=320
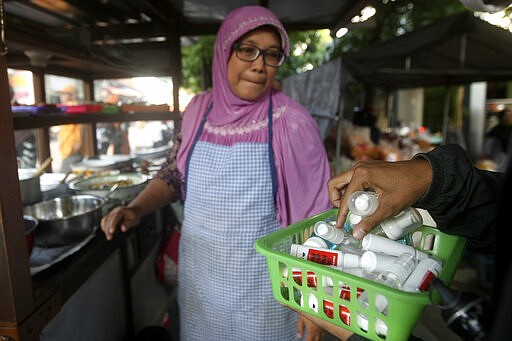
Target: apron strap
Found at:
x=196, y=138
x=273, y=171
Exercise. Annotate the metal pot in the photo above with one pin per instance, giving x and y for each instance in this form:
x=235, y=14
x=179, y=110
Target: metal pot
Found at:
x=66, y=220
x=30, y=229
x=30, y=185
x=130, y=184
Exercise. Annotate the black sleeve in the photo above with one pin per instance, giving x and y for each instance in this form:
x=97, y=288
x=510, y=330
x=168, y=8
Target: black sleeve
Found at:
x=462, y=199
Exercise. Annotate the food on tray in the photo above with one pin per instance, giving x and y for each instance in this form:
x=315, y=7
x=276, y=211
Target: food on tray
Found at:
x=109, y=184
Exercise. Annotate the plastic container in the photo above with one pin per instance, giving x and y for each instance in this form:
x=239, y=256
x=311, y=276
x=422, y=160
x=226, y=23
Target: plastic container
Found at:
x=83, y=108
x=363, y=203
x=398, y=226
x=404, y=308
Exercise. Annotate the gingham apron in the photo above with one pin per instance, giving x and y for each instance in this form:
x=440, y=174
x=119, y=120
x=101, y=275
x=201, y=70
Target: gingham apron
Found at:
x=224, y=290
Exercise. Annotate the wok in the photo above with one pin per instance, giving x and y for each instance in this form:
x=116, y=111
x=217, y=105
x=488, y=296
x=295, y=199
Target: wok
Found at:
x=65, y=220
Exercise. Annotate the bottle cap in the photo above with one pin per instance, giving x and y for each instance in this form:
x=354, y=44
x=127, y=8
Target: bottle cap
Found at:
x=363, y=203
x=376, y=262
x=362, y=321
x=354, y=219
x=315, y=241
x=298, y=250
x=328, y=232
x=380, y=326
x=312, y=302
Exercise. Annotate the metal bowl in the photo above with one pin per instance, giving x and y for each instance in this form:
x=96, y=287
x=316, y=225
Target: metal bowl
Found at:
x=65, y=220
x=130, y=184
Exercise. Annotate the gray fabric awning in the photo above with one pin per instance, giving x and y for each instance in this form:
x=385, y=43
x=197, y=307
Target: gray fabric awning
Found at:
x=320, y=91
x=456, y=50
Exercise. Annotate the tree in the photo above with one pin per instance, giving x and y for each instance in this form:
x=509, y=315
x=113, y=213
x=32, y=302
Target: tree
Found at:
x=313, y=48
x=197, y=64
x=394, y=18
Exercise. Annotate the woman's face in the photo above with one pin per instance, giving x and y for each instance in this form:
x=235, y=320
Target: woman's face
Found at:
x=250, y=80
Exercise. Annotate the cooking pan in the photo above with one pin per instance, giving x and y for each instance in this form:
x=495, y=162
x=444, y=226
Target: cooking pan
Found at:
x=65, y=220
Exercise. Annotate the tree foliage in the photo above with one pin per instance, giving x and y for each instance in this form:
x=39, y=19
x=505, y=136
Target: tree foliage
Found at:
x=393, y=19
x=312, y=48
x=308, y=49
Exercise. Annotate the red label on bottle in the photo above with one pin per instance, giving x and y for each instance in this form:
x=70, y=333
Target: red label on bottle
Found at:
x=311, y=279
x=345, y=292
x=323, y=257
x=345, y=315
x=425, y=283
x=329, y=309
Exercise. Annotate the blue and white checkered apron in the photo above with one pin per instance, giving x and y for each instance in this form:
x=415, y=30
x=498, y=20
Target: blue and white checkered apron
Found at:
x=224, y=286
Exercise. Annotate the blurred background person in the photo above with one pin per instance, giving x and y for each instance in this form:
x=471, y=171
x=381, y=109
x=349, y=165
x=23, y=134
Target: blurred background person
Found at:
x=69, y=135
x=113, y=137
x=497, y=140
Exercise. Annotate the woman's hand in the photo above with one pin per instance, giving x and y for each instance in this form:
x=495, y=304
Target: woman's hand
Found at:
x=122, y=216
x=337, y=331
x=307, y=330
x=398, y=185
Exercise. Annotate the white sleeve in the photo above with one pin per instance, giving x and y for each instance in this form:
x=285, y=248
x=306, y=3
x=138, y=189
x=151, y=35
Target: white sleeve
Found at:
x=481, y=6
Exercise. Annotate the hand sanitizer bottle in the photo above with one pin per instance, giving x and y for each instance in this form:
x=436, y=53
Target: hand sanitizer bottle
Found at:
x=398, y=226
x=394, y=276
x=363, y=203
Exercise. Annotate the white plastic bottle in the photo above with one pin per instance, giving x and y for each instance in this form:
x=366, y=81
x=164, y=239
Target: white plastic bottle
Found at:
x=375, y=243
x=315, y=241
x=394, y=276
x=363, y=203
x=335, y=258
x=423, y=274
x=376, y=261
x=351, y=220
x=332, y=235
x=398, y=226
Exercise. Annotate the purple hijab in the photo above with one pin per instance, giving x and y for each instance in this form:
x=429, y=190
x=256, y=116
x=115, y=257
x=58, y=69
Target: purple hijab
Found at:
x=301, y=161
x=228, y=108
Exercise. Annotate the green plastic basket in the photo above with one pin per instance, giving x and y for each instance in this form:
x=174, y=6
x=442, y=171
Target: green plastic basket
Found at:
x=335, y=304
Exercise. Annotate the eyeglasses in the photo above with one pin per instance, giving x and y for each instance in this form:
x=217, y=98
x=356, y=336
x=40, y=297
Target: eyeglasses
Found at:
x=272, y=57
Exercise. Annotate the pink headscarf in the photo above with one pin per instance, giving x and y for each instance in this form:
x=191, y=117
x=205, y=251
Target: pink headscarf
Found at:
x=228, y=108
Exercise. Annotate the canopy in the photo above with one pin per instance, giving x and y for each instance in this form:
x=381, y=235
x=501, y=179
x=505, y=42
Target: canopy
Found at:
x=456, y=50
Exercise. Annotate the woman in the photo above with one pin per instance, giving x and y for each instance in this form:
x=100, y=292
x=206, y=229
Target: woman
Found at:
x=249, y=162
